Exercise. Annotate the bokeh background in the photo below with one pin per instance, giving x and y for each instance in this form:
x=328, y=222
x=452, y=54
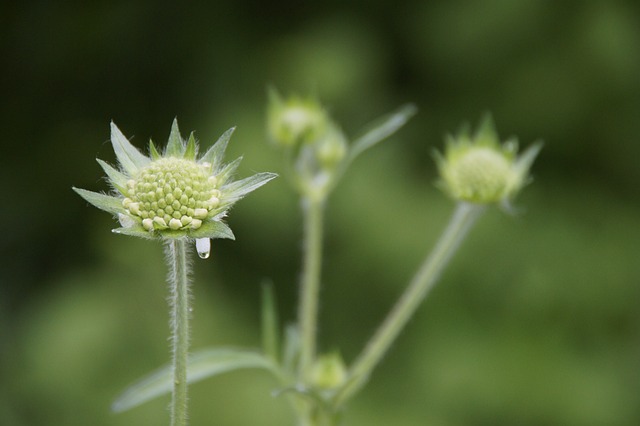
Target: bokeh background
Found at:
x=536, y=321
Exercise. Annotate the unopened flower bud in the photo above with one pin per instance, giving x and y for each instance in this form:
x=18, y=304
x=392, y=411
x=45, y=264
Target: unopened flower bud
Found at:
x=331, y=149
x=294, y=120
x=480, y=170
x=328, y=371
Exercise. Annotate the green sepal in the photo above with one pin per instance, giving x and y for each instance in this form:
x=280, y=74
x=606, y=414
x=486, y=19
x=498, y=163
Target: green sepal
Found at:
x=102, y=201
x=128, y=156
x=213, y=229
x=153, y=151
x=117, y=179
x=486, y=134
x=135, y=231
x=227, y=172
x=201, y=365
x=215, y=154
x=382, y=129
x=191, y=151
x=175, y=145
x=238, y=189
x=525, y=160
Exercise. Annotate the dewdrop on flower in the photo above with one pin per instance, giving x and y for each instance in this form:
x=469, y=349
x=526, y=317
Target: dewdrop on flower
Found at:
x=173, y=195
x=478, y=169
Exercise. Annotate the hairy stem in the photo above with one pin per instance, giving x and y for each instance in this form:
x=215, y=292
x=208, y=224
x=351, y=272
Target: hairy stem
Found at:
x=179, y=301
x=313, y=210
x=463, y=218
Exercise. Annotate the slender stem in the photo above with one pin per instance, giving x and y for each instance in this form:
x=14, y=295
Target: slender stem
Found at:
x=463, y=218
x=179, y=302
x=313, y=210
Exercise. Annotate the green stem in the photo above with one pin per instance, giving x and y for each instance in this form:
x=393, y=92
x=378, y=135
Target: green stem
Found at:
x=179, y=301
x=463, y=218
x=313, y=210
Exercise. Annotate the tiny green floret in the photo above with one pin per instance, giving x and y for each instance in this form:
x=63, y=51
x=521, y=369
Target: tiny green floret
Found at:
x=479, y=169
x=173, y=195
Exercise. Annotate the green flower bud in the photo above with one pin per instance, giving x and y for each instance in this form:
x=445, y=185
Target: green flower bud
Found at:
x=329, y=371
x=331, y=149
x=294, y=120
x=173, y=195
x=480, y=170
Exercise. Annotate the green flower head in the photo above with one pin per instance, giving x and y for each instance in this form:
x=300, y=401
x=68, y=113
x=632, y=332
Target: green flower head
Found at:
x=173, y=194
x=479, y=169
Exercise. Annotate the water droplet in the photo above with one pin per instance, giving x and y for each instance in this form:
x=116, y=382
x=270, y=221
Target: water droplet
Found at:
x=203, y=247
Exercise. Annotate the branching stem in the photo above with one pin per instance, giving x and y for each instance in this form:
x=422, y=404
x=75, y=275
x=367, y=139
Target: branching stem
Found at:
x=463, y=218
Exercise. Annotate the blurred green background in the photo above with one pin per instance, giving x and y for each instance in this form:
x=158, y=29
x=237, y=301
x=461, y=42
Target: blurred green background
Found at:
x=536, y=321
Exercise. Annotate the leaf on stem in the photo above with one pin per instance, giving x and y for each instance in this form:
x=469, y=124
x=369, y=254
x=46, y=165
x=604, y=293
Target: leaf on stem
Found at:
x=201, y=365
x=270, y=335
x=381, y=129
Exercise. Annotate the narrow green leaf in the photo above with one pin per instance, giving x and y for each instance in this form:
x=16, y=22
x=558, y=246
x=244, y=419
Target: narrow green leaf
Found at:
x=102, y=201
x=118, y=179
x=238, y=189
x=201, y=365
x=128, y=156
x=213, y=229
x=215, y=154
x=155, y=155
x=192, y=148
x=270, y=335
x=382, y=129
x=175, y=145
x=291, y=348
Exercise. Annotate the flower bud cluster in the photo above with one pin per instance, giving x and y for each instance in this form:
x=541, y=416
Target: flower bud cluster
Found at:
x=304, y=128
x=172, y=193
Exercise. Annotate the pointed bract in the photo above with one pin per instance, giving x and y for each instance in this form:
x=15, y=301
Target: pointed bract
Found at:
x=238, y=189
x=134, y=232
x=228, y=170
x=215, y=154
x=130, y=159
x=175, y=145
x=103, y=202
x=191, y=151
x=153, y=152
x=117, y=179
x=213, y=229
